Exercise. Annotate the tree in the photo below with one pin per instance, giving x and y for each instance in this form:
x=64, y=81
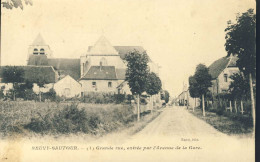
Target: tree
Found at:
x=14, y=75
x=166, y=96
x=203, y=80
x=153, y=86
x=10, y=4
x=240, y=41
x=193, y=88
x=239, y=87
x=40, y=78
x=136, y=74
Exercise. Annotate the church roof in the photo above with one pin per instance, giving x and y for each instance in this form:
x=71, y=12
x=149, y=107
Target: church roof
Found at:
x=101, y=73
x=123, y=50
x=39, y=41
x=66, y=66
x=103, y=47
x=219, y=65
x=33, y=73
x=120, y=74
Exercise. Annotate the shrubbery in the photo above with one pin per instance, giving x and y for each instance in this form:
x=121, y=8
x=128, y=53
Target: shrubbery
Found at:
x=73, y=119
x=105, y=98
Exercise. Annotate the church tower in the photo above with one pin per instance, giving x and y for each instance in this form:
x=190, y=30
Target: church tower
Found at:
x=38, y=52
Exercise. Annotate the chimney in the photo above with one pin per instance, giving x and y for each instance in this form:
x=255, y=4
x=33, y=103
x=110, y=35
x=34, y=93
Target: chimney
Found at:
x=100, y=67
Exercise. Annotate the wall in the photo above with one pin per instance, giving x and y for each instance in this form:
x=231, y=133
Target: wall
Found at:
x=221, y=83
x=101, y=86
x=67, y=87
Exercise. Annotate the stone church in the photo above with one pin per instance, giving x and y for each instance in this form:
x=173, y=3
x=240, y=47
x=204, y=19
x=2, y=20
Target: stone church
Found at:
x=101, y=69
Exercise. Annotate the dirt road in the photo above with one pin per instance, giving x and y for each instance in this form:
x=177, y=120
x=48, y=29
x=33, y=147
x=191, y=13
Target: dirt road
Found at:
x=175, y=135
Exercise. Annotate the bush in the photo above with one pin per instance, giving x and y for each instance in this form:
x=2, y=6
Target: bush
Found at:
x=91, y=120
x=103, y=98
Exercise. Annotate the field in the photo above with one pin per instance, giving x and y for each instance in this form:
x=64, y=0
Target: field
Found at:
x=29, y=118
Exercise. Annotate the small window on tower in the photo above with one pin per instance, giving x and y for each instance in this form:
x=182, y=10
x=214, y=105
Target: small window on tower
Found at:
x=42, y=51
x=94, y=84
x=35, y=51
x=225, y=77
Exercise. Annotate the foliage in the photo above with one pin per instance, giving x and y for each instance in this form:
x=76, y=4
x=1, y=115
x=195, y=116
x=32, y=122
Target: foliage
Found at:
x=153, y=84
x=239, y=87
x=103, y=98
x=63, y=118
x=137, y=71
x=193, y=88
x=203, y=79
x=2, y=91
x=50, y=95
x=165, y=96
x=240, y=41
x=12, y=74
x=9, y=4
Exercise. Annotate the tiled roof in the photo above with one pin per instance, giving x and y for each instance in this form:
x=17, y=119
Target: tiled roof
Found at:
x=101, y=73
x=120, y=74
x=218, y=66
x=123, y=50
x=66, y=66
x=34, y=73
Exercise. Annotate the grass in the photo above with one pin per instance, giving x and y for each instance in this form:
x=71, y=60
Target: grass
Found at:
x=228, y=123
x=28, y=118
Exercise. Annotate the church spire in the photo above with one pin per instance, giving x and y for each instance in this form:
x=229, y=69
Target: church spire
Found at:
x=39, y=41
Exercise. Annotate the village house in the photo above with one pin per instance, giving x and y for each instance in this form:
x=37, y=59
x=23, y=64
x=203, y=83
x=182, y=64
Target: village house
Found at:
x=220, y=71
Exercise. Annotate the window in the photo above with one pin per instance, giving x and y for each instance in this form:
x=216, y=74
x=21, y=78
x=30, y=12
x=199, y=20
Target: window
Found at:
x=35, y=51
x=109, y=84
x=225, y=77
x=94, y=84
x=42, y=51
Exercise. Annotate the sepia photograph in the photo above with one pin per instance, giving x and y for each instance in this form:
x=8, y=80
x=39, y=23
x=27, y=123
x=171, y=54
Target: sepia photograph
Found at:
x=127, y=80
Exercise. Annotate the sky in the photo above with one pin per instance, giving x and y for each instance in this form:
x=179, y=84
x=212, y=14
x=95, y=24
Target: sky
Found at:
x=178, y=35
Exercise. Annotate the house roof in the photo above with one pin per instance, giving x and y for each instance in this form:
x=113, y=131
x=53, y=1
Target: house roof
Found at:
x=101, y=73
x=34, y=73
x=120, y=74
x=39, y=41
x=66, y=66
x=219, y=65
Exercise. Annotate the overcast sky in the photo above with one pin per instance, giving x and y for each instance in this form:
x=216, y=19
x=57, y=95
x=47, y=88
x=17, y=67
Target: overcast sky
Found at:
x=177, y=35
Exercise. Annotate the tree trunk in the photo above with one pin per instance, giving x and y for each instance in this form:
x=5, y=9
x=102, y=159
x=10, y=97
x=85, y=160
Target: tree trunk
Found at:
x=203, y=105
x=252, y=101
x=151, y=103
x=138, y=107
x=40, y=95
x=230, y=105
x=236, y=106
x=242, y=107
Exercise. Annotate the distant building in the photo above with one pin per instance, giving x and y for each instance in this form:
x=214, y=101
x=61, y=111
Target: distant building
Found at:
x=67, y=87
x=101, y=69
x=221, y=70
